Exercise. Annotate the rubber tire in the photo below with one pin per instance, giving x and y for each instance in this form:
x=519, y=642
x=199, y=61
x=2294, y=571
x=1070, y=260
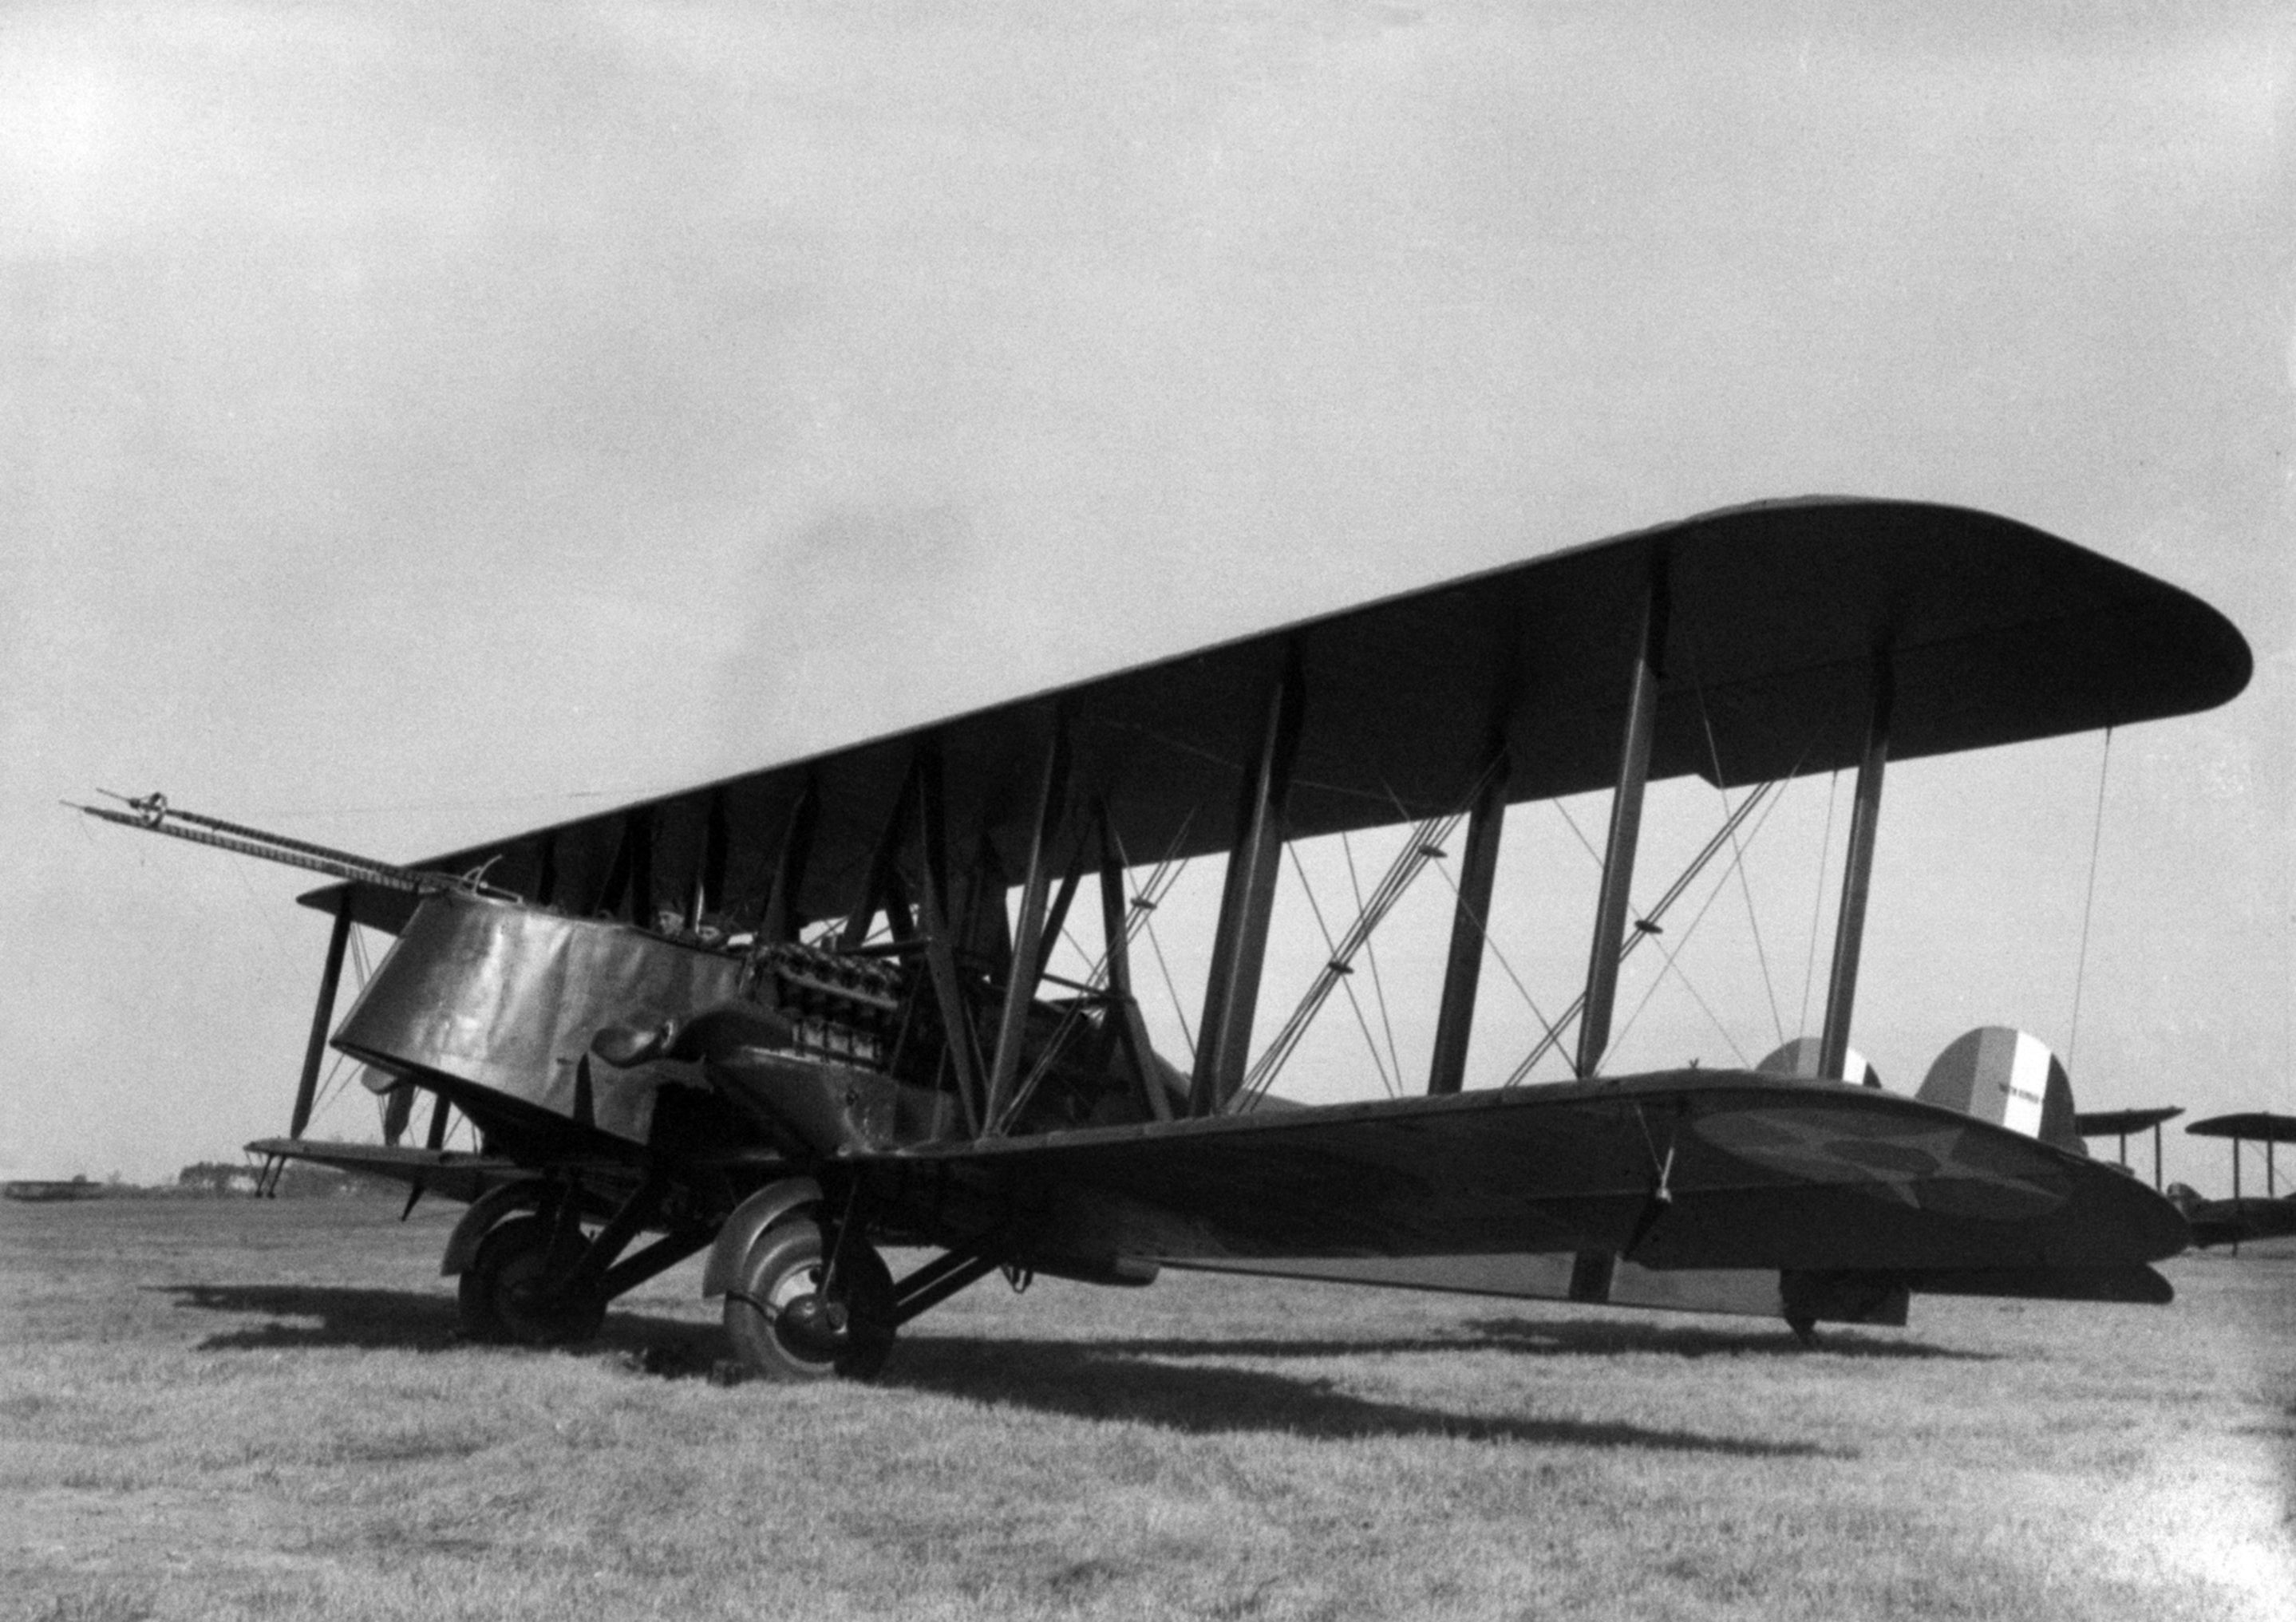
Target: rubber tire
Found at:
x=496, y=1292
x=777, y=1284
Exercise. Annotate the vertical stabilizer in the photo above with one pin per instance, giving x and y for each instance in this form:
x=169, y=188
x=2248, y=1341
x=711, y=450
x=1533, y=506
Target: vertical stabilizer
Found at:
x=2009, y=1077
x=1803, y=1056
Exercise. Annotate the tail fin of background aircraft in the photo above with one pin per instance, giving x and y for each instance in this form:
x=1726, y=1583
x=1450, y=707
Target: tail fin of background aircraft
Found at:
x=2010, y=1079
x=1800, y=1057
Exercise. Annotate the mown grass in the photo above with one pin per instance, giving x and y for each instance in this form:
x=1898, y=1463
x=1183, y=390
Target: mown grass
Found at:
x=240, y=1409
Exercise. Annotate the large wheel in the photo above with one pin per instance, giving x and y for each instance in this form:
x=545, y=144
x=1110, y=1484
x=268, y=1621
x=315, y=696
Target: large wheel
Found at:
x=781, y=1326
x=506, y=1291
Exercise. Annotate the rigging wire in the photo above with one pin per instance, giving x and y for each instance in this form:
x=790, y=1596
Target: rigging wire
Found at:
x=1681, y=946
x=1137, y=920
x=1674, y=967
x=1263, y=1073
x=1160, y=881
x=1423, y=844
x=1647, y=924
x=1482, y=927
x=1371, y=947
x=334, y=1080
x=2088, y=900
x=1745, y=889
x=1172, y=991
x=1818, y=902
x=1585, y=843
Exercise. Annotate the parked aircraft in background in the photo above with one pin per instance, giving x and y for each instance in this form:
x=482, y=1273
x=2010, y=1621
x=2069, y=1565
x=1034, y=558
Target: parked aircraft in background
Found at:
x=806, y=1013
x=2121, y=1123
x=2229, y=1221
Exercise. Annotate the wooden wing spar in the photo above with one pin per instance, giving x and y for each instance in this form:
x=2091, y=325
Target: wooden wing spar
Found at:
x=1770, y=626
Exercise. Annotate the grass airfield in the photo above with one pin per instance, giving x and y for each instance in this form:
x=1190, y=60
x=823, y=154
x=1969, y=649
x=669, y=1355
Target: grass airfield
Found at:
x=235, y=1408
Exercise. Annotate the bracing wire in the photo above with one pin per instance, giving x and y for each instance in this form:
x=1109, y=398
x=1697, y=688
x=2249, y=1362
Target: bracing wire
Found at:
x=1186, y=1035
x=1334, y=971
x=1423, y=844
x=1683, y=944
x=1371, y=947
x=1160, y=881
x=1647, y=924
x=1754, y=927
x=330, y=1088
x=2088, y=900
x=1817, y=903
x=333, y=1081
x=1482, y=927
x=1141, y=921
x=1585, y=843
x=1745, y=889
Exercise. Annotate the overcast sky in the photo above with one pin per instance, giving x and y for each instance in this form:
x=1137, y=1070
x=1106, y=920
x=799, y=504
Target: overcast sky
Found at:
x=418, y=422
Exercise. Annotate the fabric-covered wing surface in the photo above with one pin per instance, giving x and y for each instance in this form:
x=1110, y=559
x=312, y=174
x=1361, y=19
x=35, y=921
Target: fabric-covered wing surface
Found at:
x=1756, y=1171
x=1773, y=616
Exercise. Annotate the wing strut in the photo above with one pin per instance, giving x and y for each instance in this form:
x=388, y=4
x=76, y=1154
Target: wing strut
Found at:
x=545, y=879
x=878, y=889
x=1626, y=828
x=940, y=956
x=708, y=892
x=321, y=1015
x=1422, y=843
x=628, y=888
x=1647, y=925
x=1027, y=956
x=1849, y=932
x=782, y=917
x=1446, y=1072
x=1116, y=928
x=1247, y=903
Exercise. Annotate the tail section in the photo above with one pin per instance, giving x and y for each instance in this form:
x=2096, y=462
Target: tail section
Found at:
x=2008, y=1077
x=1800, y=1057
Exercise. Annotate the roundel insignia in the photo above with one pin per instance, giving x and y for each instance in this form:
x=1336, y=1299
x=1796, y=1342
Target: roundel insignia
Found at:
x=1800, y=1057
x=2009, y=1077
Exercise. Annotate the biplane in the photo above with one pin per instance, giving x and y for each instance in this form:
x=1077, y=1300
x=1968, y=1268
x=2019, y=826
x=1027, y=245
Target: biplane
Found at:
x=2121, y=1123
x=805, y=1015
x=2229, y=1221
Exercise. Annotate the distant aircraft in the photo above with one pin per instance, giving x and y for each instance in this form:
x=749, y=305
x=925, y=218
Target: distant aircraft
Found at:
x=797, y=1015
x=2121, y=1123
x=2229, y=1221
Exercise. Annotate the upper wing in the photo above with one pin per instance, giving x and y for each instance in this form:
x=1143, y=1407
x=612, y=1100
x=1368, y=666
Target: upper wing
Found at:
x=1679, y=1169
x=2249, y=1127
x=1996, y=632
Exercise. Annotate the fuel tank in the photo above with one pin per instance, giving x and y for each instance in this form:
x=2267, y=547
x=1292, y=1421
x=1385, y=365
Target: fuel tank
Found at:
x=505, y=996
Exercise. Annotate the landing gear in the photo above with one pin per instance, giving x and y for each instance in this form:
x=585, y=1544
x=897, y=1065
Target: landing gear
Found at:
x=510, y=1290
x=785, y=1326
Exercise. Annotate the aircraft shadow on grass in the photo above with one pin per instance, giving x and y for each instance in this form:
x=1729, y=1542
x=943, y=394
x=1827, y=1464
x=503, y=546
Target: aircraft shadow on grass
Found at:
x=310, y=1315
x=1119, y=1379
x=1122, y=1381
x=1601, y=1337
x=1529, y=1338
